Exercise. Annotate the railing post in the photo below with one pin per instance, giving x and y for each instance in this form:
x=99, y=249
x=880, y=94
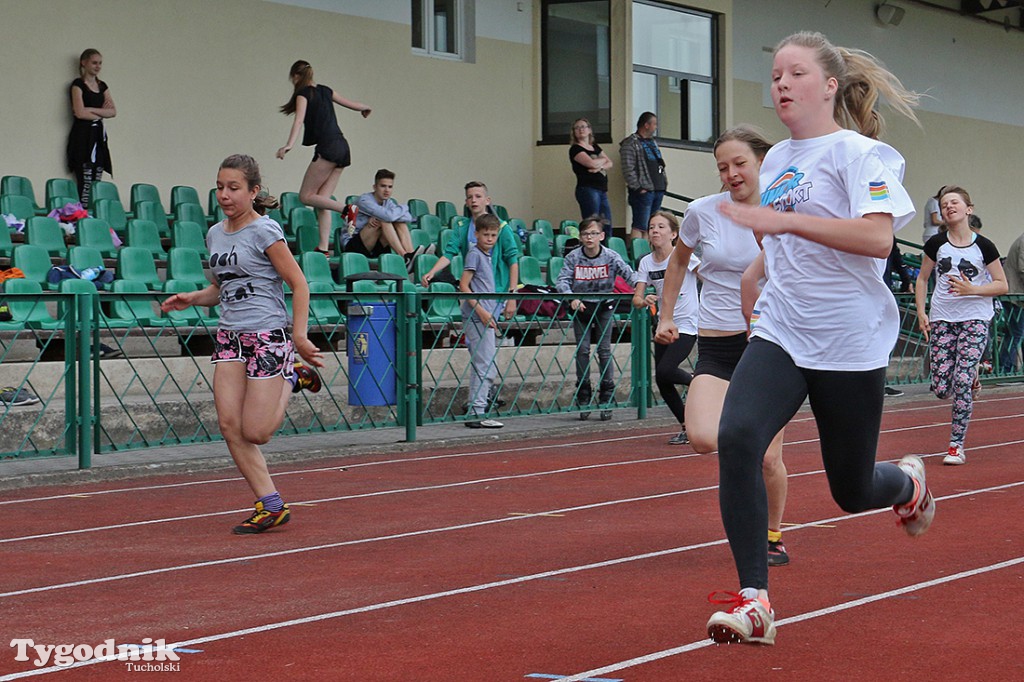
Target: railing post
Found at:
x=641, y=352
x=84, y=330
x=407, y=369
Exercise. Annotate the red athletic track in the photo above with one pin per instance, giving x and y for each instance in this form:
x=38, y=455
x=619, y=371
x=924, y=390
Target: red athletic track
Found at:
x=422, y=566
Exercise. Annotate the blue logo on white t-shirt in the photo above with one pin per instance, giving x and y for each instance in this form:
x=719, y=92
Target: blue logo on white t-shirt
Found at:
x=787, y=190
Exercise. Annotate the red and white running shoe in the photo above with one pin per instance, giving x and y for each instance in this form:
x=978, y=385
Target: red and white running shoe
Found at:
x=916, y=515
x=749, y=621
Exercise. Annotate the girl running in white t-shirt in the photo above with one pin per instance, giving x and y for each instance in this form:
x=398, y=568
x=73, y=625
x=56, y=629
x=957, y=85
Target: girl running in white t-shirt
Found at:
x=662, y=231
x=956, y=325
x=727, y=250
x=825, y=323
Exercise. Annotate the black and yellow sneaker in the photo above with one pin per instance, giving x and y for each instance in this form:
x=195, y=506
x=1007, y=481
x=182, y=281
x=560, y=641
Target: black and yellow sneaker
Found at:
x=777, y=555
x=306, y=378
x=262, y=520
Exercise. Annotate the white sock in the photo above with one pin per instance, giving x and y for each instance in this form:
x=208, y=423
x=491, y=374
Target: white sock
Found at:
x=749, y=592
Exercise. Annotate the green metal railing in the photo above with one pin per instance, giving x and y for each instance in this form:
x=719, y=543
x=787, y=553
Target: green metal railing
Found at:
x=158, y=392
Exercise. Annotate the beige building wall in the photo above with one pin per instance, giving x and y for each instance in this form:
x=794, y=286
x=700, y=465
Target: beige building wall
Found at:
x=195, y=81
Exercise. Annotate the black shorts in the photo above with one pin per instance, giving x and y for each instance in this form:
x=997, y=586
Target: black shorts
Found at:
x=356, y=245
x=719, y=355
x=336, y=151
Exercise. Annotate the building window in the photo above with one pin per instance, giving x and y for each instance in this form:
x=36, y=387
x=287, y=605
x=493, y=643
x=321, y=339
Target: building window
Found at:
x=576, y=64
x=675, y=72
x=437, y=27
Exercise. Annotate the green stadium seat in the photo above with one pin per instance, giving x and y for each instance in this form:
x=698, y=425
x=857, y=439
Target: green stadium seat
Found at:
x=537, y=245
x=443, y=239
x=422, y=265
x=6, y=244
x=86, y=288
x=19, y=185
x=191, y=316
x=641, y=247
x=19, y=206
x=456, y=266
x=618, y=245
x=57, y=203
x=445, y=210
x=323, y=310
x=544, y=227
x=316, y=268
x=135, y=309
x=443, y=310
x=351, y=264
x=183, y=194
x=431, y=224
x=418, y=208
x=420, y=238
x=145, y=234
x=393, y=264
x=113, y=213
x=190, y=235
x=554, y=267
x=192, y=213
x=136, y=263
x=104, y=190
x=61, y=187
x=307, y=238
x=529, y=272
x=141, y=192
x=47, y=233
x=83, y=257
x=31, y=312
x=298, y=217
x=501, y=212
x=95, y=233
x=289, y=202
x=153, y=212
x=566, y=225
x=186, y=265
x=560, y=241
x=32, y=260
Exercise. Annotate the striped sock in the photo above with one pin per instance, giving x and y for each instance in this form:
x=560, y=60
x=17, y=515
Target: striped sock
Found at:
x=272, y=502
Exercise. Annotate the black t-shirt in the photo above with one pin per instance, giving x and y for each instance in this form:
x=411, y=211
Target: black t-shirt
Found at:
x=584, y=178
x=320, y=123
x=91, y=99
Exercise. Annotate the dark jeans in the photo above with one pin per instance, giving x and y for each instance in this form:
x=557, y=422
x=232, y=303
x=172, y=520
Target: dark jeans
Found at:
x=765, y=392
x=595, y=320
x=644, y=205
x=595, y=202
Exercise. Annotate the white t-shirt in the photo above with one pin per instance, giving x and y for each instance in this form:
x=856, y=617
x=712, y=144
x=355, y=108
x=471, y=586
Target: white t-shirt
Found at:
x=727, y=250
x=969, y=261
x=829, y=309
x=687, y=305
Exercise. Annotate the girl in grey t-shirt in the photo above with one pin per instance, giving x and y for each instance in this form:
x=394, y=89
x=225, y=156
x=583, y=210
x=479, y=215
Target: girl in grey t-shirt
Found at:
x=254, y=355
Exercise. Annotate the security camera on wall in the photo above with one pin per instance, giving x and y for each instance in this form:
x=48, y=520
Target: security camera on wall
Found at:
x=889, y=15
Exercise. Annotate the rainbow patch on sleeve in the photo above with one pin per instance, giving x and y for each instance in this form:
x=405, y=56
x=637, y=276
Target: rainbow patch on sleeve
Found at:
x=878, y=191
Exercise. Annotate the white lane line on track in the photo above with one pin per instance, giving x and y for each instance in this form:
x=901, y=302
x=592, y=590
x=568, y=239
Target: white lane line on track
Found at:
x=558, y=572
x=827, y=611
x=475, y=524
x=499, y=451
x=357, y=496
x=338, y=467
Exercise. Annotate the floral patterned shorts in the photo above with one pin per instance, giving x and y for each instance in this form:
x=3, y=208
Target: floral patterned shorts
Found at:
x=266, y=354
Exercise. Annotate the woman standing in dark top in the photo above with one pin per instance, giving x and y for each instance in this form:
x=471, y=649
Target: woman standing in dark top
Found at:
x=87, y=152
x=590, y=165
x=313, y=106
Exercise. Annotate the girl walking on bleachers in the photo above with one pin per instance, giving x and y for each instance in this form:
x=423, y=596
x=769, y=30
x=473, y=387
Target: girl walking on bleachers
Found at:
x=662, y=231
x=727, y=250
x=87, y=152
x=254, y=355
x=830, y=201
x=313, y=107
x=956, y=324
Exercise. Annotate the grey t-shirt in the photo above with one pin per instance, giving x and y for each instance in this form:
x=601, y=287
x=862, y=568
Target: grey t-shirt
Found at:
x=251, y=291
x=479, y=263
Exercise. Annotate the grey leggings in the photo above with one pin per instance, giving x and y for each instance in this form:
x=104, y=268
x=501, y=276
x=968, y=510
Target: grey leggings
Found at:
x=766, y=390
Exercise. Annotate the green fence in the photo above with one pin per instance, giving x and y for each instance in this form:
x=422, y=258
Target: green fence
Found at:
x=407, y=368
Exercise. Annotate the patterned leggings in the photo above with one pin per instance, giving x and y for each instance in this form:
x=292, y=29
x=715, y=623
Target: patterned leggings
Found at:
x=956, y=349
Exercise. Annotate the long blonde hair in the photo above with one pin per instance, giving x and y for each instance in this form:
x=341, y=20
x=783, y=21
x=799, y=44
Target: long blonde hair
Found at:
x=861, y=79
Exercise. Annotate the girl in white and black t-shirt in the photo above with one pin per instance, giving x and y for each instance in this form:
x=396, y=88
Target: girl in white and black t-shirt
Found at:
x=825, y=321
x=956, y=326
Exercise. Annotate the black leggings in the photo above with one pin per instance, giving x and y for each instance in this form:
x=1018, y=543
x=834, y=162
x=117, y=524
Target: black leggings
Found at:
x=767, y=389
x=668, y=374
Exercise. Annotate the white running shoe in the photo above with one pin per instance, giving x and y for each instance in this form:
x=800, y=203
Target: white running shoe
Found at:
x=956, y=455
x=916, y=515
x=749, y=621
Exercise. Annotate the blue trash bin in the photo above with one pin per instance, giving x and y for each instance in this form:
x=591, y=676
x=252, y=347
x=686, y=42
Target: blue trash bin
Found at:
x=372, y=348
